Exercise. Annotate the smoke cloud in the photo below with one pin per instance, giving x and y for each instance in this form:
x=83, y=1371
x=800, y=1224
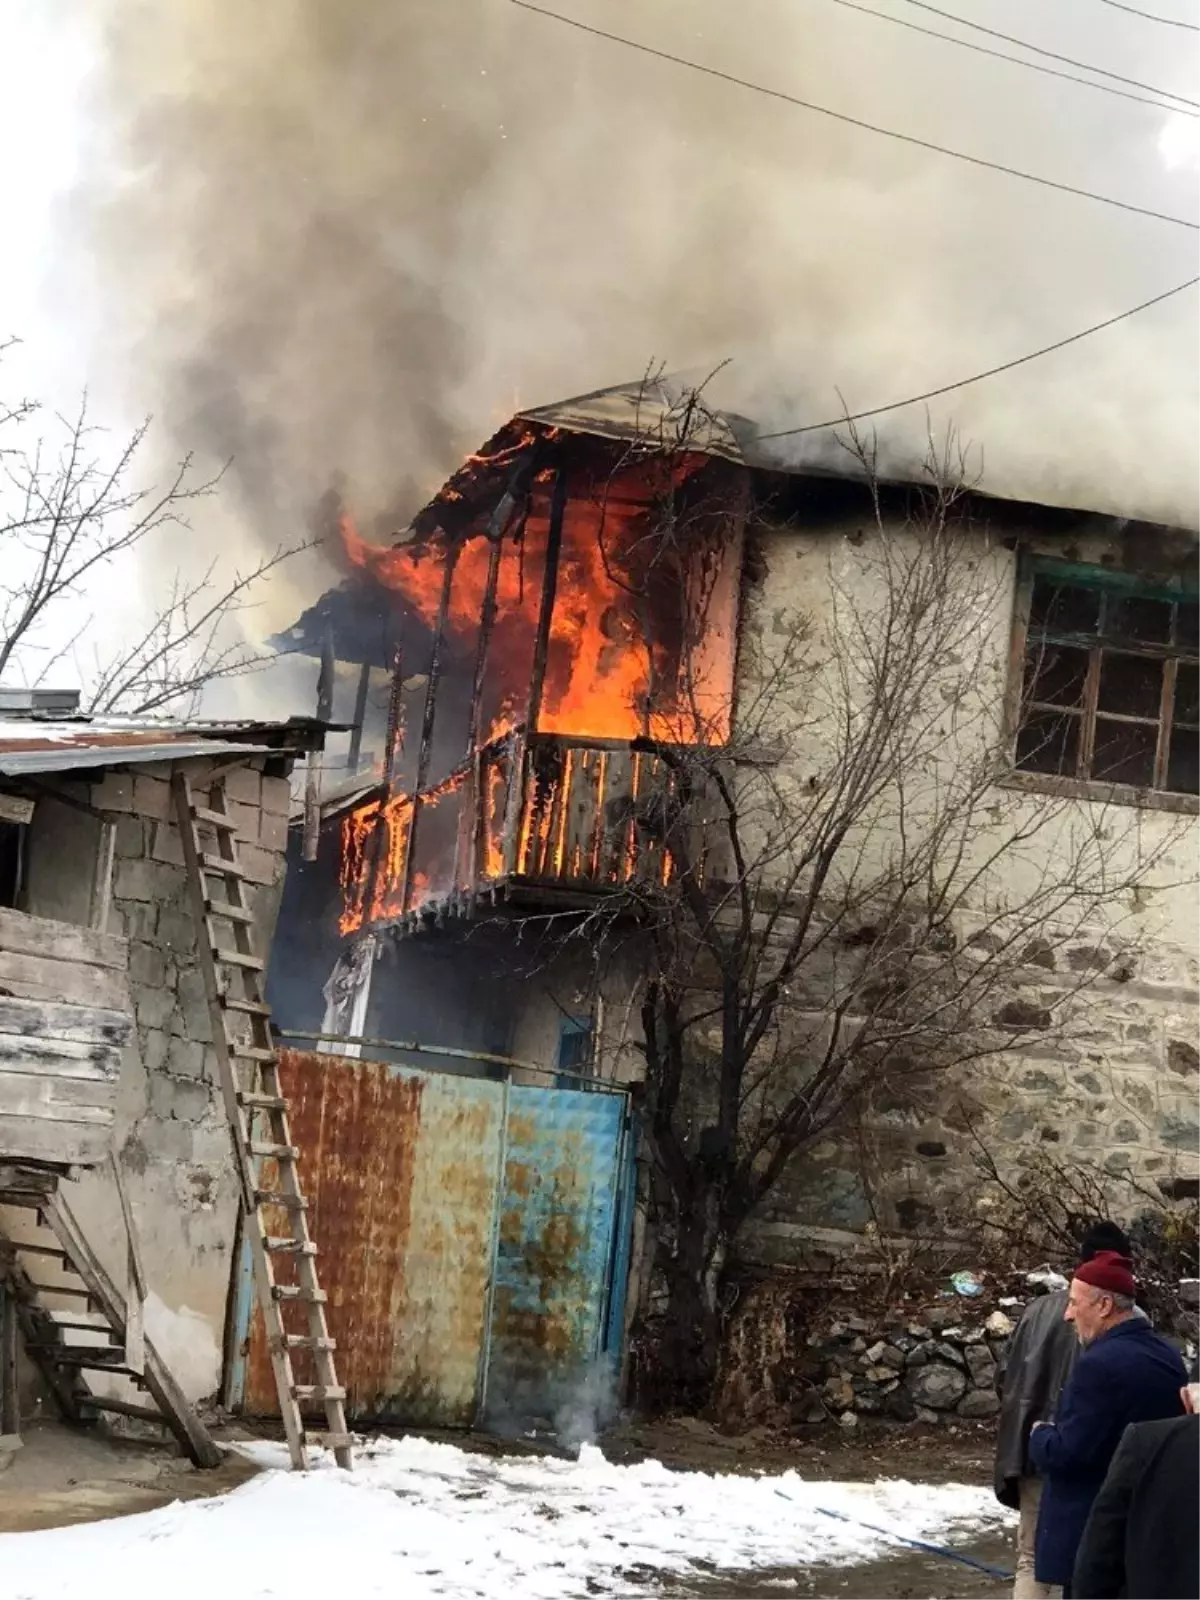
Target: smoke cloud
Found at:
x=351, y=239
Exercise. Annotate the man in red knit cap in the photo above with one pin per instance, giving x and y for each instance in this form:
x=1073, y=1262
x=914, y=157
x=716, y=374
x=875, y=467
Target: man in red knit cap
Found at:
x=1127, y=1373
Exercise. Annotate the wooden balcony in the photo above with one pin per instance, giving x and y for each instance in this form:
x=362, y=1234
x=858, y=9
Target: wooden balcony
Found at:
x=547, y=817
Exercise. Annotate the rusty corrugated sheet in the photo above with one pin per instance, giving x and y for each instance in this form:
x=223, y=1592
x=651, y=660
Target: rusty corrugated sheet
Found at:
x=400, y=1170
x=552, y=1264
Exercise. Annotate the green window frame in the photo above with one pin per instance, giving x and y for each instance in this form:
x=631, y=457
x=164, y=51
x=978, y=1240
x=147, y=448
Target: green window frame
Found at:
x=1107, y=668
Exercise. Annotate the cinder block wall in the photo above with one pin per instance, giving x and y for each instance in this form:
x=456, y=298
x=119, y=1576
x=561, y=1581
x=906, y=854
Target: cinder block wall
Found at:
x=171, y=1129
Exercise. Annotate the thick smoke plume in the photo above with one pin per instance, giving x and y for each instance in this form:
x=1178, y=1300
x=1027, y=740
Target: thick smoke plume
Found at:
x=350, y=238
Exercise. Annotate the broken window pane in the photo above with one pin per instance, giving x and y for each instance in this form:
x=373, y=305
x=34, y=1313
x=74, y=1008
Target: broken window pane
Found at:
x=1130, y=685
x=1137, y=620
x=1187, y=693
x=1183, y=769
x=1055, y=674
x=1187, y=624
x=1124, y=752
x=1049, y=742
x=1056, y=607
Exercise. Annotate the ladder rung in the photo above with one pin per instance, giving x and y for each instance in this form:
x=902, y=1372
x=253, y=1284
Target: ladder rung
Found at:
x=331, y=1441
x=280, y=1152
x=317, y=1391
x=279, y=1244
x=307, y=1341
x=252, y=1008
x=297, y=1291
x=214, y=819
x=250, y=1052
x=93, y=1321
x=222, y=908
x=239, y=958
x=60, y=1288
x=22, y=1248
x=252, y=1101
x=93, y=1357
x=219, y=866
x=273, y=1197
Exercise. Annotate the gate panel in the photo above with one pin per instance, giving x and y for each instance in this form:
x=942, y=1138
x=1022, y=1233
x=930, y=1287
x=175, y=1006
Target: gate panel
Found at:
x=400, y=1169
x=554, y=1248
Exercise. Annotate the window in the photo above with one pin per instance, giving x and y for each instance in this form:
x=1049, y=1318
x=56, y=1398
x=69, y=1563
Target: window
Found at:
x=574, y=1050
x=1109, y=691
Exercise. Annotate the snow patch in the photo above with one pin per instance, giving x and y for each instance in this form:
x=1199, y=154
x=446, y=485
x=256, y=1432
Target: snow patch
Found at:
x=432, y=1522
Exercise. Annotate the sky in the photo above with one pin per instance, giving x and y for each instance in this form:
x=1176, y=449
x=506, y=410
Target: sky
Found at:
x=348, y=242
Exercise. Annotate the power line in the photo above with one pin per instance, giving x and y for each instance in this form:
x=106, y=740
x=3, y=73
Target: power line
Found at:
x=1053, y=55
x=1002, y=55
x=854, y=122
x=978, y=377
x=1148, y=16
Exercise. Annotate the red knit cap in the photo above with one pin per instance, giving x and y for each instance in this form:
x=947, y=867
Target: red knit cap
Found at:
x=1108, y=1270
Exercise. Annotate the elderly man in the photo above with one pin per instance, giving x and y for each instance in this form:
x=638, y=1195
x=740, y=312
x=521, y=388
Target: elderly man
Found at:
x=1040, y=1359
x=1126, y=1373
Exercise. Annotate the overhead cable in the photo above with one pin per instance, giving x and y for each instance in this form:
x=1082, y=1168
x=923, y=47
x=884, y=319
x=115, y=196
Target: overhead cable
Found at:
x=991, y=372
x=855, y=122
x=1017, y=61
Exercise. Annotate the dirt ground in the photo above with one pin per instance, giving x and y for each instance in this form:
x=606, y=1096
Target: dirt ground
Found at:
x=62, y=1476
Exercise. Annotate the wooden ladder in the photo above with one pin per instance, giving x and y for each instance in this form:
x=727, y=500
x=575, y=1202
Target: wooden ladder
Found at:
x=257, y=1111
x=92, y=1333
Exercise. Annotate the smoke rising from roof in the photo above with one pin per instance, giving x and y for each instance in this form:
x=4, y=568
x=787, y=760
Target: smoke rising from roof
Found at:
x=351, y=238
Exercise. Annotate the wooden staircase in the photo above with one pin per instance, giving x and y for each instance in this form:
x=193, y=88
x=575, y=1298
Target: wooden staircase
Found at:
x=74, y=1321
x=275, y=1213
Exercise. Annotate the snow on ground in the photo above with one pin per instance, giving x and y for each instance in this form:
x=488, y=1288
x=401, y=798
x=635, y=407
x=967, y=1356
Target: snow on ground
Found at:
x=431, y=1522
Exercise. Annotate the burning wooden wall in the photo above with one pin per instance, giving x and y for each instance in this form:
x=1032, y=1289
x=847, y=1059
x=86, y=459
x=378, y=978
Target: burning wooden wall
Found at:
x=587, y=592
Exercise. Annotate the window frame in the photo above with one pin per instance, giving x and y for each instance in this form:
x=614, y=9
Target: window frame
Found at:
x=1087, y=575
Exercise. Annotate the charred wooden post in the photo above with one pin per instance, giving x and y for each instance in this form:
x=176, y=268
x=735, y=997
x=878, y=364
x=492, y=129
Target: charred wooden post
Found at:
x=354, y=754
x=426, y=744
x=312, y=782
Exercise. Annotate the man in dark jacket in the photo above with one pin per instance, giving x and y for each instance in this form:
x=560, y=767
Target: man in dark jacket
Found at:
x=1125, y=1374
x=1040, y=1359
x=1142, y=1539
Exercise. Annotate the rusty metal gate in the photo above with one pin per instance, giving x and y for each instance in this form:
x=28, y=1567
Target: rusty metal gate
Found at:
x=474, y=1243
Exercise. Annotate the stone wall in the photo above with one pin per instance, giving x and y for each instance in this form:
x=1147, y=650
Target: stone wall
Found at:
x=171, y=1127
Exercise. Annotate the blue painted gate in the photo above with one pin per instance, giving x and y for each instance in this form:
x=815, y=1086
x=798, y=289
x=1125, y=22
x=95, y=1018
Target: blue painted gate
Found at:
x=479, y=1235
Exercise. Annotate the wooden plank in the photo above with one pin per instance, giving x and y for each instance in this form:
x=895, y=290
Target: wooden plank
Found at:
x=48, y=1020
x=581, y=815
x=614, y=820
x=64, y=1143
x=34, y=1094
x=61, y=941
x=59, y=1058
x=193, y=1437
x=32, y=977
x=102, y=877
x=16, y=808
x=10, y=1408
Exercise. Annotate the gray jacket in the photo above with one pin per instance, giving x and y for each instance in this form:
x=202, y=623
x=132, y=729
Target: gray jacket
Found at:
x=1040, y=1359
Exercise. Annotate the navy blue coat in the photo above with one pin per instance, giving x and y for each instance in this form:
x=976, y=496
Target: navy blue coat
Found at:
x=1129, y=1374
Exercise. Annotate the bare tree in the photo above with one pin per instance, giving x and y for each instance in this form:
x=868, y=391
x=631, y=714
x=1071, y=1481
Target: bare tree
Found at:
x=853, y=891
x=72, y=509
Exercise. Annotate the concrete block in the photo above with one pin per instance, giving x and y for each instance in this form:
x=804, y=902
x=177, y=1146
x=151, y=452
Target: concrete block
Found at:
x=135, y=920
x=154, y=1008
x=273, y=831
x=193, y=1006
x=152, y=797
x=138, y=880
x=276, y=796
x=259, y=865
x=147, y=966
x=186, y=1058
x=188, y=1099
x=114, y=792
x=168, y=1140
x=244, y=784
x=165, y=844
x=130, y=840
x=246, y=818
x=154, y=1049
x=177, y=930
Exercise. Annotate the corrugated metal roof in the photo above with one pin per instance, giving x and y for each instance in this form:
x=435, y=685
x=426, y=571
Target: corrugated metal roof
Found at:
x=32, y=744
x=651, y=409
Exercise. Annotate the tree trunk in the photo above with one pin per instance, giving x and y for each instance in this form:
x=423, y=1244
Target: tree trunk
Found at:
x=691, y=1339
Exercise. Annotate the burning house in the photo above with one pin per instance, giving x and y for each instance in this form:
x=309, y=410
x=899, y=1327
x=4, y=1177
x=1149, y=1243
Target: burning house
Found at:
x=593, y=593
